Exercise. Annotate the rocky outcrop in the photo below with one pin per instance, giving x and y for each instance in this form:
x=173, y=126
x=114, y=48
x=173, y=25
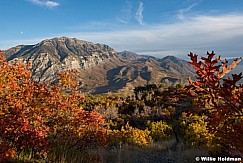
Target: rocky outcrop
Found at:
x=58, y=54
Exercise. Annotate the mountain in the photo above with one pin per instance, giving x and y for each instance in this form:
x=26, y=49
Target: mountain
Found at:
x=50, y=56
x=176, y=66
x=100, y=67
x=130, y=55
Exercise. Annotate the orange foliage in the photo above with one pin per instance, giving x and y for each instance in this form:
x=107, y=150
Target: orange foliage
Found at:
x=34, y=115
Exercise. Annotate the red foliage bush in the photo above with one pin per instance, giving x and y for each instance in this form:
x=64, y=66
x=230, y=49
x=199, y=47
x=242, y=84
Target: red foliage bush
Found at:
x=220, y=99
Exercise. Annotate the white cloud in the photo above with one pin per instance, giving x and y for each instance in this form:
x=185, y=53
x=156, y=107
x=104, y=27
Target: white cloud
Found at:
x=223, y=34
x=198, y=34
x=126, y=13
x=139, y=13
x=181, y=12
x=51, y=4
x=46, y=3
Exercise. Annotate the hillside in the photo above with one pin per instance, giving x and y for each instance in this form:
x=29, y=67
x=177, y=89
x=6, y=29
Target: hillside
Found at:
x=100, y=67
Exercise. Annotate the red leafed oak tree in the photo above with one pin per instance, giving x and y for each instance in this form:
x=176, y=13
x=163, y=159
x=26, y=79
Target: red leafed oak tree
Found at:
x=221, y=99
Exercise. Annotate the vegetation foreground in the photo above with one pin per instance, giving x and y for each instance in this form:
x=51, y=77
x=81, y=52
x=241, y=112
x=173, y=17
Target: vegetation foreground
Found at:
x=54, y=122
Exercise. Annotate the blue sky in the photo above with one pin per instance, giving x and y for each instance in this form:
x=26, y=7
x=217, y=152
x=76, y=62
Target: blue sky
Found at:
x=151, y=27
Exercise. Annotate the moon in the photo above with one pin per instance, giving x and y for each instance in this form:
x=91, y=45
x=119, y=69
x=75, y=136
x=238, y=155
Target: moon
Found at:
x=21, y=32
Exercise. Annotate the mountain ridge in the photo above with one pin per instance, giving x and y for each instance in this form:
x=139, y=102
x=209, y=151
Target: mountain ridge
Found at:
x=100, y=67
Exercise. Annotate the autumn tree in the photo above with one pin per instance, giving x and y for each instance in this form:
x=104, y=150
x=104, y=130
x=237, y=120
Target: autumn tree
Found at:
x=34, y=115
x=221, y=99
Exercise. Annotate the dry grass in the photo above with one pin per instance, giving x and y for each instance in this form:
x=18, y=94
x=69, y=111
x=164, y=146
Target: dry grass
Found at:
x=165, y=151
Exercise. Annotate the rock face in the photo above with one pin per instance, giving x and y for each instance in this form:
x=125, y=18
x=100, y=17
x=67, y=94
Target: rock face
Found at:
x=50, y=56
x=100, y=67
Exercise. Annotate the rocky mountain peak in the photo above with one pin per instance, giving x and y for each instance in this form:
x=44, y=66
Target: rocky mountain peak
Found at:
x=100, y=67
x=170, y=58
x=51, y=55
